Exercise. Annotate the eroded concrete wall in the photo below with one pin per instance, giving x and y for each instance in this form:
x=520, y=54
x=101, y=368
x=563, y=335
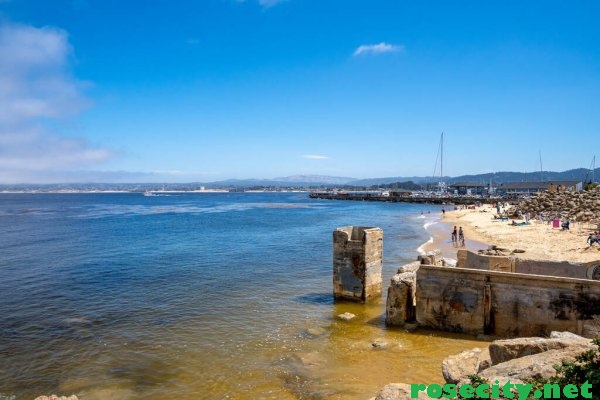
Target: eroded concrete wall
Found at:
x=468, y=259
x=506, y=304
x=357, y=262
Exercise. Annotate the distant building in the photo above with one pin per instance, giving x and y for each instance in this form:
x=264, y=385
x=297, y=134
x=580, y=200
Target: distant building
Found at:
x=523, y=188
x=468, y=188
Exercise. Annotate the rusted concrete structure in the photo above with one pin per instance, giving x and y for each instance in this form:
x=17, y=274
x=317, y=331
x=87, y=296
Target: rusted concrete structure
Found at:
x=357, y=262
x=498, y=296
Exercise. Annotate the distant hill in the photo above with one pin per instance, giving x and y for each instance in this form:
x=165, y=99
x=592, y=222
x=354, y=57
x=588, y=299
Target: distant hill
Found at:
x=495, y=177
x=321, y=181
x=333, y=180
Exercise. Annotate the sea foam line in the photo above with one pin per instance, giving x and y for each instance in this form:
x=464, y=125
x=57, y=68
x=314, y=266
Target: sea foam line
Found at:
x=421, y=248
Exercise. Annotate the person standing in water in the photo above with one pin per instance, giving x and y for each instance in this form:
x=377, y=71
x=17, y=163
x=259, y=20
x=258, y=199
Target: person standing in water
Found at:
x=461, y=236
x=454, y=236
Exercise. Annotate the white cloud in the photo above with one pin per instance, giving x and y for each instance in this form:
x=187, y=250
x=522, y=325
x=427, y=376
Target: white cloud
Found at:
x=36, y=85
x=315, y=157
x=379, y=48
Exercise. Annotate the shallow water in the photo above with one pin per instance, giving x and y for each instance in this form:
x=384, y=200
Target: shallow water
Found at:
x=121, y=296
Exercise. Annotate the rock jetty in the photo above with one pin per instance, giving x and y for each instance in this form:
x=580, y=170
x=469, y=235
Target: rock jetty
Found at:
x=517, y=360
x=583, y=206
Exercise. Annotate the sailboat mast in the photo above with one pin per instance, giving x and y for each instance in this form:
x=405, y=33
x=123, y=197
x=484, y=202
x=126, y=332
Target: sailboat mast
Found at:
x=541, y=169
x=442, y=160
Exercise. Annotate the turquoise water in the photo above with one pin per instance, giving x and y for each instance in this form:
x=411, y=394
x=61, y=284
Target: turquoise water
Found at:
x=122, y=296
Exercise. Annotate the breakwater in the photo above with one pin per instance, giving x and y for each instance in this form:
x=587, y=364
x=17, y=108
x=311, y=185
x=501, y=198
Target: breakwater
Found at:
x=462, y=200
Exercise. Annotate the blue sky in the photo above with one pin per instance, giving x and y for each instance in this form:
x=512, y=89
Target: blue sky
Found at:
x=207, y=90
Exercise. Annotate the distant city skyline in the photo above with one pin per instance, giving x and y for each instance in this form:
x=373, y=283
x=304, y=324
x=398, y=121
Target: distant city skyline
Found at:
x=221, y=89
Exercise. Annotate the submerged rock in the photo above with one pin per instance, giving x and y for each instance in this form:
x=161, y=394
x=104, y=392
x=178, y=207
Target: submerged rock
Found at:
x=313, y=332
x=347, y=316
x=380, y=343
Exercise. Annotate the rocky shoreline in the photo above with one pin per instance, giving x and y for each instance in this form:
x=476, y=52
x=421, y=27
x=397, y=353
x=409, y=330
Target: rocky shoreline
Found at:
x=582, y=206
x=518, y=360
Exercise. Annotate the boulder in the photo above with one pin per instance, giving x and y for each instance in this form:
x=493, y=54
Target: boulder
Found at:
x=398, y=391
x=505, y=350
x=539, y=365
x=469, y=362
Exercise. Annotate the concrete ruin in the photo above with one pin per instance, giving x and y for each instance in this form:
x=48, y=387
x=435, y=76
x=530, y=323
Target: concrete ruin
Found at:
x=496, y=295
x=357, y=263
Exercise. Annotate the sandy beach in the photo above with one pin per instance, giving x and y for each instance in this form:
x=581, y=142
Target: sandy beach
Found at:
x=538, y=239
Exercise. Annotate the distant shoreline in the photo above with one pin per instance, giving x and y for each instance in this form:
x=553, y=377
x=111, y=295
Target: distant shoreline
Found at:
x=207, y=191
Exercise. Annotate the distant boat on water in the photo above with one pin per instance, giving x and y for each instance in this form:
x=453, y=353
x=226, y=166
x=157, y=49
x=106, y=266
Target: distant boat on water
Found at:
x=148, y=193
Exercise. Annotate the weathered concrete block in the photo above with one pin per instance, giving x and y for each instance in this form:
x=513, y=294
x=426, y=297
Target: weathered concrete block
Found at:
x=468, y=259
x=433, y=257
x=357, y=262
x=401, y=298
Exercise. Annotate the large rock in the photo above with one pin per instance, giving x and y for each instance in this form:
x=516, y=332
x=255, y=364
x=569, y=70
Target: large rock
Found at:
x=539, y=365
x=398, y=391
x=505, y=350
x=469, y=362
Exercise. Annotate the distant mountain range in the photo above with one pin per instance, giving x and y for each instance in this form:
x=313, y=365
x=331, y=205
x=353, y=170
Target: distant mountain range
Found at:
x=496, y=177
x=321, y=181
x=324, y=180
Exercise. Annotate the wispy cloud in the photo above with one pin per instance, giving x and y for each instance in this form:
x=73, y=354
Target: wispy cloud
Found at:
x=315, y=157
x=379, y=48
x=36, y=85
x=270, y=3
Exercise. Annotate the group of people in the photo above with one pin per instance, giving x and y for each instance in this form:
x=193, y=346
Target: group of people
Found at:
x=593, y=237
x=458, y=237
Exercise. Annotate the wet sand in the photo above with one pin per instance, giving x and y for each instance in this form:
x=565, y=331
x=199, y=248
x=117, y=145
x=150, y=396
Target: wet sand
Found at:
x=441, y=239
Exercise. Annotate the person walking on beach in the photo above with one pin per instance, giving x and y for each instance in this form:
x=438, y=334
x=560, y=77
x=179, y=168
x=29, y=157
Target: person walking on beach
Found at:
x=454, y=237
x=461, y=237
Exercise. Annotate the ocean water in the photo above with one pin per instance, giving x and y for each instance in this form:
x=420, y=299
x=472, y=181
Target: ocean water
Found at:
x=198, y=296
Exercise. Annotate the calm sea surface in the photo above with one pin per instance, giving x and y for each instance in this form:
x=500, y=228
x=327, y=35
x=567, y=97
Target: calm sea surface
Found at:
x=198, y=296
